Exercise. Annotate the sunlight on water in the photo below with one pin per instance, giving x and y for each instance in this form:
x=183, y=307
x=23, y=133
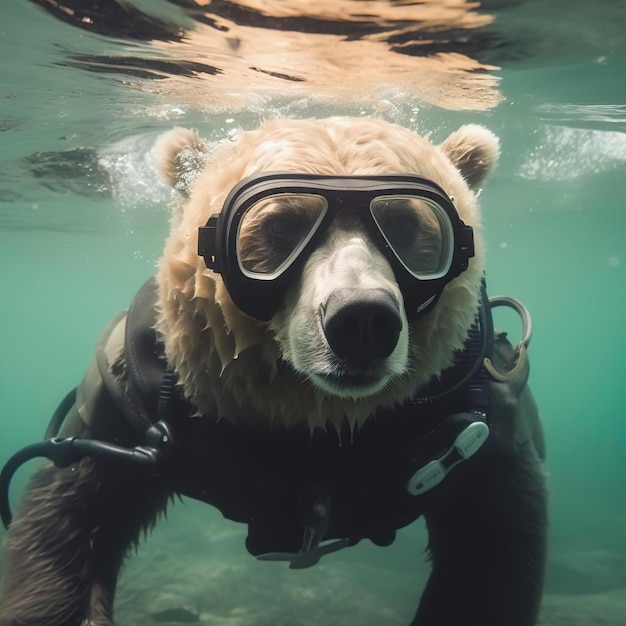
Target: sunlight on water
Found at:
x=83, y=216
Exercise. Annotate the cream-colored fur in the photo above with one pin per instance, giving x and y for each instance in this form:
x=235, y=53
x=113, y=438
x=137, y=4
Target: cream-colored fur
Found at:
x=247, y=371
x=346, y=260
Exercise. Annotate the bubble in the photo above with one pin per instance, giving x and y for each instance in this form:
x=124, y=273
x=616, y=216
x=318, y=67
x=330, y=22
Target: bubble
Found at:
x=567, y=153
x=504, y=244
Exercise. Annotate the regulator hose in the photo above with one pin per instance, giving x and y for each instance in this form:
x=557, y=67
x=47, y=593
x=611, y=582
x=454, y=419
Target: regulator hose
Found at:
x=65, y=452
x=56, y=421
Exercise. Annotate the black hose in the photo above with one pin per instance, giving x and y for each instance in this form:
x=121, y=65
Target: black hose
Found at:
x=56, y=421
x=64, y=452
x=485, y=326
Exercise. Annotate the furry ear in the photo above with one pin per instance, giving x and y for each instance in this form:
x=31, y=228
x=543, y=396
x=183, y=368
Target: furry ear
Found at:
x=179, y=155
x=474, y=150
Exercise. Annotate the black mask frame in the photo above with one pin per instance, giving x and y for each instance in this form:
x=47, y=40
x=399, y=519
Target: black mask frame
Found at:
x=261, y=298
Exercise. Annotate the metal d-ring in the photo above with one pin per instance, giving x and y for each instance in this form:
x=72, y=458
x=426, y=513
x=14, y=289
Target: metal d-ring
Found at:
x=522, y=311
x=520, y=351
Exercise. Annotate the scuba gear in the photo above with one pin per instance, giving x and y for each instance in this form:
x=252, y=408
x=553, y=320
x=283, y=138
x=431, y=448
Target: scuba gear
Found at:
x=271, y=222
x=301, y=495
x=466, y=444
x=64, y=452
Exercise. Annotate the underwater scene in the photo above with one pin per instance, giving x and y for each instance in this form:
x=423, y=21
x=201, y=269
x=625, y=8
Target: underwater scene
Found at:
x=87, y=87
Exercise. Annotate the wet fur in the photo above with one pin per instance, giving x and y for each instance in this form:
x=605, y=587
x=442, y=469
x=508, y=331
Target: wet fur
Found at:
x=486, y=523
x=206, y=336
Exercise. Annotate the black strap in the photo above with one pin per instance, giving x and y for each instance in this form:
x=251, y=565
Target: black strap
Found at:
x=145, y=360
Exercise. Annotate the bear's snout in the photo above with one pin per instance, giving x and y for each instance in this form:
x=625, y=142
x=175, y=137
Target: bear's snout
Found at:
x=361, y=325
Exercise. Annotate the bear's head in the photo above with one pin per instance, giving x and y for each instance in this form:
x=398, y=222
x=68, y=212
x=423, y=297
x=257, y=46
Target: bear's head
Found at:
x=339, y=342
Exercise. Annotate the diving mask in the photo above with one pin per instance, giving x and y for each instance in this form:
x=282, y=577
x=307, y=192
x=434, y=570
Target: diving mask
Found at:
x=271, y=222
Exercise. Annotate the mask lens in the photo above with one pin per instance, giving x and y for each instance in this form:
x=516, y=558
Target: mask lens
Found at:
x=419, y=232
x=274, y=230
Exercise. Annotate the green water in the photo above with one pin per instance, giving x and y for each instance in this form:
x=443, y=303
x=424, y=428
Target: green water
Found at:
x=555, y=219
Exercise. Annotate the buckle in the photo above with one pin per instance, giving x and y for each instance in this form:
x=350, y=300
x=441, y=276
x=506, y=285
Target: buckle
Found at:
x=207, y=243
x=307, y=558
x=312, y=549
x=465, y=445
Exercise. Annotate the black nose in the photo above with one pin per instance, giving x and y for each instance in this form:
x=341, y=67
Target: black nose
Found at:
x=361, y=324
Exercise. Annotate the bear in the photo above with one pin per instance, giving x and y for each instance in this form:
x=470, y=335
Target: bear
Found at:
x=315, y=358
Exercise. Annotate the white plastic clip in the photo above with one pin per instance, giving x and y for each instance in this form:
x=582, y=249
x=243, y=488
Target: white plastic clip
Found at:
x=466, y=444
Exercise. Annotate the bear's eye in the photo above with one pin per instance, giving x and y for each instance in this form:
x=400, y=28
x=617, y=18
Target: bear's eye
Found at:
x=281, y=228
x=414, y=230
x=275, y=229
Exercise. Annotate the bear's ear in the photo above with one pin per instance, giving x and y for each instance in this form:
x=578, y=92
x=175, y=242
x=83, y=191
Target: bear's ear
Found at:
x=474, y=150
x=180, y=154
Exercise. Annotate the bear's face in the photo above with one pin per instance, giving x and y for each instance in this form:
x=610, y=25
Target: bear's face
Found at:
x=342, y=324
x=339, y=343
